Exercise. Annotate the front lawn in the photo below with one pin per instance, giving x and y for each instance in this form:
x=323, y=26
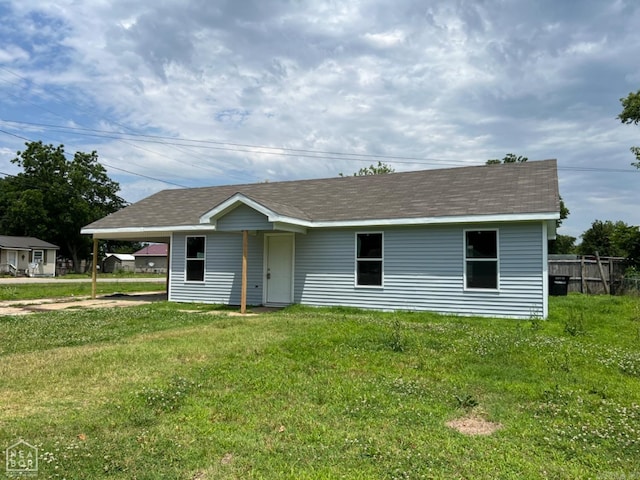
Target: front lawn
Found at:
x=186, y=392
x=118, y=274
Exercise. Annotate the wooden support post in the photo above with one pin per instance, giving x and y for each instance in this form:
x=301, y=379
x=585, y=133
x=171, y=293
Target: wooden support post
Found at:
x=94, y=268
x=583, y=282
x=602, y=277
x=243, y=295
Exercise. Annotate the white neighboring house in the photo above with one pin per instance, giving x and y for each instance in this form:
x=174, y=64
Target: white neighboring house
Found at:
x=117, y=262
x=27, y=256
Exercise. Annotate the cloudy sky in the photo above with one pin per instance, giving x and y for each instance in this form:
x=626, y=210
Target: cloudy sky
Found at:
x=208, y=92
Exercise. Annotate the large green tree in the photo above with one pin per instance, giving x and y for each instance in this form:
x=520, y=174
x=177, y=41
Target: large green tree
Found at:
x=631, y=114
x=562, y=244
x=54, y=197
x=612, y=239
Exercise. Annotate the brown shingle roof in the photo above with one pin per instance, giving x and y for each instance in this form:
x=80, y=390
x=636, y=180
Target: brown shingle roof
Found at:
x=522, y=188
x=152, y=250
x=24, y=243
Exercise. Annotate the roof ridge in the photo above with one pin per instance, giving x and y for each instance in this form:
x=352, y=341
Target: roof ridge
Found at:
x=358, y=177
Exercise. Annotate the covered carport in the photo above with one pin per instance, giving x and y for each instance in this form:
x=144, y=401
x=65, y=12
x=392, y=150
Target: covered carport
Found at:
x=151, y=237
x=156, y=236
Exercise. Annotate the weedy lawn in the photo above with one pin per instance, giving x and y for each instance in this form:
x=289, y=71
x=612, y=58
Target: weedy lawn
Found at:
x=159, y=392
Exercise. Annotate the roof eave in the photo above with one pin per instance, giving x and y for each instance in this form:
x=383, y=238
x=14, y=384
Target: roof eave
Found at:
x=463, y=219
x=160, y=231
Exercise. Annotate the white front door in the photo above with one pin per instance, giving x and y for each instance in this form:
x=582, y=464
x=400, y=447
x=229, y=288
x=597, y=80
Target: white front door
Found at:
x=279, y=269
x=12, y=258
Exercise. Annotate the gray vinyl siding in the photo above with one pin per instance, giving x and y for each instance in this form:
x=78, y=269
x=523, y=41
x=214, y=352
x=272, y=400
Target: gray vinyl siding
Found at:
x=223, y=270
x=423, y=270
x=243, y=218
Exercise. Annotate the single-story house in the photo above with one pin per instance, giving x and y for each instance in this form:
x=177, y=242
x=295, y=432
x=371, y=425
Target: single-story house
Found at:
x=467, y=241
x=152, y=258
x=27, y=256
x=118, y=262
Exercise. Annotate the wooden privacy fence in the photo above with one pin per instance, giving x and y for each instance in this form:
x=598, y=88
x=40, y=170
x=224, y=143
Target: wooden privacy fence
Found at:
x=589, y=274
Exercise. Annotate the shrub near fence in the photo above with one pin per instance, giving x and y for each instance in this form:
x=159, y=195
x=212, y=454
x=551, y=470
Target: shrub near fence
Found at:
x=586, y=275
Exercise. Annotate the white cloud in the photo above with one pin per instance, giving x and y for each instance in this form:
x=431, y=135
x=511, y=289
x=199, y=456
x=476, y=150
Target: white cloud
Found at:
x=386, y=39
x=12, y=53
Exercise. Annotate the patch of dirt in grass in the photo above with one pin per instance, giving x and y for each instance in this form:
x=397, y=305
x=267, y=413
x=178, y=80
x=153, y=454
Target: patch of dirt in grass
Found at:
x=472, y=425
x=24, y=307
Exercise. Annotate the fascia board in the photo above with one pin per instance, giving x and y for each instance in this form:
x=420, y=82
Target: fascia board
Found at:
x=526, y=217
x=156, y=230
x=289, y=227
x=278, y=219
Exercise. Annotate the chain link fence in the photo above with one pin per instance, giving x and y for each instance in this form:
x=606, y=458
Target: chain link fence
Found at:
x=630, y=284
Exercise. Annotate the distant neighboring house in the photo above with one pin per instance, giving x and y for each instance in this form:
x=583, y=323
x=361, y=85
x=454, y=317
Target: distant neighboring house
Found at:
x=118, y=262
x=27, y=256
x=465, y=241
x=152, y=258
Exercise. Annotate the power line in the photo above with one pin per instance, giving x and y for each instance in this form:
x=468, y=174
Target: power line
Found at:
x=63, y=101
x=7, y=174
x=599, y=169
x=180, y=144
x=14, y=135
x=107, y=165
x=145, y=176
x=57, y=115
x=207, y=144
x=278, y=151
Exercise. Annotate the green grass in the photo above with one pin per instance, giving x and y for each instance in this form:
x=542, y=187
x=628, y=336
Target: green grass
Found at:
x=157, y=392
x=118, y=274
x=30, y=291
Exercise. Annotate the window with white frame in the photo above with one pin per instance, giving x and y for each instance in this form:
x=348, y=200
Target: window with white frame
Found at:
x=38, y=256
x=195, y=259
x=369, y=259
x=481, y=259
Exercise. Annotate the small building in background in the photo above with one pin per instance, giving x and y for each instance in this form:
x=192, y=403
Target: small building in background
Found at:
x=152, y=258
x=27, y=256
x=119, y=262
